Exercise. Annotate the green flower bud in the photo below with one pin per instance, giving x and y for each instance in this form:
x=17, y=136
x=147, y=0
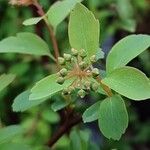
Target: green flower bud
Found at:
x=87, y=85
x=74, y=52
x=88, y=73
x=63, y=72
x=67, y=57
x=83, y=53
x=65, y=91
x=72, y=60
x=94, y=86
x=83, y=65
x=61, y=60
x=60, y=80
x=95, y=72
x=81, y=93
x=70, y=89
x=58, y=74
x=93, y=59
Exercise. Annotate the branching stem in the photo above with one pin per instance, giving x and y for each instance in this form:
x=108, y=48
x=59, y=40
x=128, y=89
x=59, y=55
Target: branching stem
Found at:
x=71, y=120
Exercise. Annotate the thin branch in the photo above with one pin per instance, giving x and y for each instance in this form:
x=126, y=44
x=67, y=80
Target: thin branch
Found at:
x=41, y=12
x=71, y=120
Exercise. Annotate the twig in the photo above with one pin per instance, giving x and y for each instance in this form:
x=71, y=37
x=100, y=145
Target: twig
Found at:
x=41, y=12
x=72, y=119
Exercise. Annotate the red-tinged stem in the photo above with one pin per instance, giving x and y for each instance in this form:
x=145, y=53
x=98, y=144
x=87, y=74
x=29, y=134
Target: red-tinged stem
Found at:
x=50, y=29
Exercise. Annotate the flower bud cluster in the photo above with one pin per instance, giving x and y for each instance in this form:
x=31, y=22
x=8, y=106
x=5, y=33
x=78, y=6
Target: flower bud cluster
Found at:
x=76, y=65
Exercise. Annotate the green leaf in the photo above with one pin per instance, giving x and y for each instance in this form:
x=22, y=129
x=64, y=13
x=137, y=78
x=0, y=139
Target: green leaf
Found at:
x=113, y=117
x=50, y=116
x=47, y=87
x=9, y=132
x=91, y=113
x=126, y=15
x=99, y=54
x=58, y=105
x=75, y=139
x=125, y=9
x=60, y=10
x=14, y=146
x=84, y=30
x=129, y=82
x=5, y=80
x=100, y=90
x=32, y=21
x=22, y=102
x=79, y=140
x=128, y=24
x=93, y=146
x=125, y=50
x=85, y=136
x=24, y=43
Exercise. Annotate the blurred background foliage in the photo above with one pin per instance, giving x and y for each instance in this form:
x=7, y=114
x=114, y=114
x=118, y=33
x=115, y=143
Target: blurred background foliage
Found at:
x=118, y=18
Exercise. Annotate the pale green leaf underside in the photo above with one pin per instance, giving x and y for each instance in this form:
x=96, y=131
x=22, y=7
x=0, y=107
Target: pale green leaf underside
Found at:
x=60, y=10
x=129, y=82
x=24, y=43
x=91, y=113
x=99, y=54
x=47, y=87
x=22, y=102
x=113, y=117
x=9, y=132
x=83, y=30
x=5, y=80
x=59, y=104
x=125, y=50
x=32, y=21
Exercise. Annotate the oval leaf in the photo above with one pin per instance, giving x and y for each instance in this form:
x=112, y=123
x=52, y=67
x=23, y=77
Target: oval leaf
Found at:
x=129, y=82
x=91, y=113
x=24, y=43
x=127, y=20
x=113, y=117
x=83, y=30
x=75, y=140
x=9, y=132
x=6, y=79
x=47, y=87
x=22, y=102
x=125, y=50
x=99, y=54
x=59, y=104
x=60, y=10
x=32, y=21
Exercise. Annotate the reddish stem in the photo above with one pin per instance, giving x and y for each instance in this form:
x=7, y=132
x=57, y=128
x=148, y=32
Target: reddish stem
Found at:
x=50, y=29
x=71, y=120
